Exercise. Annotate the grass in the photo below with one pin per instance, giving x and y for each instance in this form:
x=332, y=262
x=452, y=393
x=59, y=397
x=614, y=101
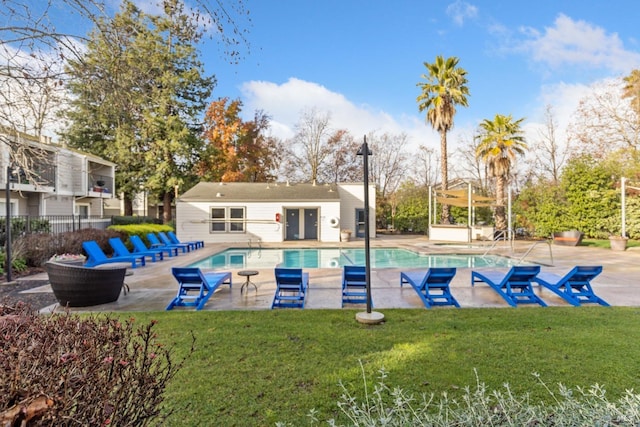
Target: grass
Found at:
x=255, y=368
x=604, y=244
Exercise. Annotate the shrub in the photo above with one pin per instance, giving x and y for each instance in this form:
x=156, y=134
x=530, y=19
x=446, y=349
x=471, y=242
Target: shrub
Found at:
x=385, y=406
x=141, y=230
x=18, y=264
x=69, y=370
x=36, y=249
x=126, y=220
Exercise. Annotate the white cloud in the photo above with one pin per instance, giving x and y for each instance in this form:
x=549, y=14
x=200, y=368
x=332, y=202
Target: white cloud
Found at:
x=570, y=42
x=460, y=10
x=285, y=102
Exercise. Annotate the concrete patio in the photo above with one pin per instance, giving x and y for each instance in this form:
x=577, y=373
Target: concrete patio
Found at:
x=153, y=286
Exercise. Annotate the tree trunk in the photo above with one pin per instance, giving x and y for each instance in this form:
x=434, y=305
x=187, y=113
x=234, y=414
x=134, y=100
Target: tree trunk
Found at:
x=501, y=220
x=128, y=205
x=166, y=207
x=444, y=167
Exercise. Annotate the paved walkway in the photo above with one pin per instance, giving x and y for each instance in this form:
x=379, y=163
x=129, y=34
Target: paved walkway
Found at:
x=152, y=287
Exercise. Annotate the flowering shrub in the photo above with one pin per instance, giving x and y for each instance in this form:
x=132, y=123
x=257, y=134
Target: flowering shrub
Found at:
x=67, y=257
x=94, y=370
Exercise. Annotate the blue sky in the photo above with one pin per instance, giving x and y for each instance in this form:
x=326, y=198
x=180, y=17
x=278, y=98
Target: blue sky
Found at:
x=361, y=60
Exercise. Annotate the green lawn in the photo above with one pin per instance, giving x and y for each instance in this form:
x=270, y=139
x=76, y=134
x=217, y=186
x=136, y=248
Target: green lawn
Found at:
x=605, y=243
x=253, y=368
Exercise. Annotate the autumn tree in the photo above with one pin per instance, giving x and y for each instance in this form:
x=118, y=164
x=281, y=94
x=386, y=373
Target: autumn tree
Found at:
x=236, y=150
x=139, y=89
x=445, y=87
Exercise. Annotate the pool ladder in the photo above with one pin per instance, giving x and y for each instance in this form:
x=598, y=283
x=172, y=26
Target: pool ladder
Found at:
x=503, y=236
x=547, y=241
x=249, y=243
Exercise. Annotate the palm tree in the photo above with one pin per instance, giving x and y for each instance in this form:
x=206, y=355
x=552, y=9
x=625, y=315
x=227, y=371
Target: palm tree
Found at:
x=501, y=141
x=632, y=90
x=445, y=87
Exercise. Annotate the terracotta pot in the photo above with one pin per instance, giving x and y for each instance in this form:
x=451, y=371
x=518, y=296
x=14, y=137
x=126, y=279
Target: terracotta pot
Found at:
x=618, y=243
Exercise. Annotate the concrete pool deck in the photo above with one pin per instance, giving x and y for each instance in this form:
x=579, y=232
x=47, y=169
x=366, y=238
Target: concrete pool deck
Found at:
x=152, y=287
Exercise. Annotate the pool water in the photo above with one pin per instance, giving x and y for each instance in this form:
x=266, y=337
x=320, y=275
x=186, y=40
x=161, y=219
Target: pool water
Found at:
x=245, y=258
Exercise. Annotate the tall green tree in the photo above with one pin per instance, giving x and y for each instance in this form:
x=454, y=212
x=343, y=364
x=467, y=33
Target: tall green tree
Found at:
x=36, y=48
x=445, y=87
x=138, y=92
x=593, y=202
x=501, y=141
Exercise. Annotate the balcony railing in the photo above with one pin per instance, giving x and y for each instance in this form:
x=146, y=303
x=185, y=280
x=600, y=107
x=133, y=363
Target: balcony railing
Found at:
x=100, y=183
x=42, y=175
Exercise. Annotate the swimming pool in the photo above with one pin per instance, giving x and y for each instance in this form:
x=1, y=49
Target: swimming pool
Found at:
x=245, y=258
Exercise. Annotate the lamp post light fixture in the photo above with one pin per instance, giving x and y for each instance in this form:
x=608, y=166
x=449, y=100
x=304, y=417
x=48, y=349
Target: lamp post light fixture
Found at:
x=368, y=317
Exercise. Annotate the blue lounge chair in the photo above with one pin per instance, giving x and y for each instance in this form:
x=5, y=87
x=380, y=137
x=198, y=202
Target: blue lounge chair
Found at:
x=514, y=285
x=196, y=287
x=432, y=285
x=291, y=288
x=167, y=241
x=354, y=285
x=120, y=249
x=95, y=256
x=140, y=247
x=156, y=243
x=195, y=244
x=575, y=286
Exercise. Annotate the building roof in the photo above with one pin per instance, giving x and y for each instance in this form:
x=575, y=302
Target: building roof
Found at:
x=259, y=192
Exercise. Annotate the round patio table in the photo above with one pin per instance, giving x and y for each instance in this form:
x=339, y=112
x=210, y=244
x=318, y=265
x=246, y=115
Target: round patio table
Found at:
x=248, y=274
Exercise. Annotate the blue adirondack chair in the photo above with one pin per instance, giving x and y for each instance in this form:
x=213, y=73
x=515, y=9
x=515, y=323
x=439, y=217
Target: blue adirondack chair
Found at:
x=195, y=244
x=140, y=247
x=95, y=256
x=156, y=243
x=291, y=288
x=167, y=241
x=514, y=285
x=432, y=285
x=354, y=285
x=120, y=249
x=196, y=287
x=575, y=286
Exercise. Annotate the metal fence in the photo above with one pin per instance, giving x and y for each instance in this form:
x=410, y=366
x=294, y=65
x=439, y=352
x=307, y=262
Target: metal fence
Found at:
x=50, y=224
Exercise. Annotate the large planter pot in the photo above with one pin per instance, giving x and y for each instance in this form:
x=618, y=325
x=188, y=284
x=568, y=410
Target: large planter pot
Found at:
x=77, y=286
x=618, y=243
x=567, y=238
x=345, y=236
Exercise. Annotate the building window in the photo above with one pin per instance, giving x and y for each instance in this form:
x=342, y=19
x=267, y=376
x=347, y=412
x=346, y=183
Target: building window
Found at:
x=227, y=220
x=13, y=206
x=82, y=210
x=218, y=219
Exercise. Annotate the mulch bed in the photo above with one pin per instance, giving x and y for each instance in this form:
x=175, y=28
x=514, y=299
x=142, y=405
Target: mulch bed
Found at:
x=11, y=293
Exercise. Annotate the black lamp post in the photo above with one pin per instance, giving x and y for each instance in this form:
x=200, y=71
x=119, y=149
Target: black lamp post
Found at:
x=365, y=152
x=8, y=225
x=368, y=317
